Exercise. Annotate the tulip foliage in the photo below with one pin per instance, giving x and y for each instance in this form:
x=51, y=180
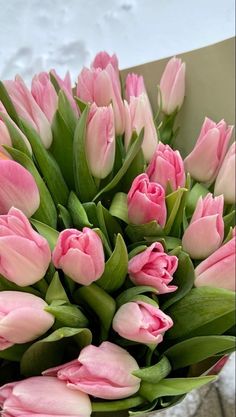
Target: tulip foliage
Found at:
x=116, y=255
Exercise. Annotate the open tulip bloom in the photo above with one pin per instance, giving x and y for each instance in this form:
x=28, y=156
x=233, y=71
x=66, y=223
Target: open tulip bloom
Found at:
x=117, y=256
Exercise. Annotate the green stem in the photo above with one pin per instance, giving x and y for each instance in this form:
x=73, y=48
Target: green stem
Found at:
x=117, y=405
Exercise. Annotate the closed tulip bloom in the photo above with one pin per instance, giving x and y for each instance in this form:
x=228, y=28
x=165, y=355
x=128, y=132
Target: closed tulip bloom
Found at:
x=102, y=86
x=218, y=270
x=138, y=115
x=28, y=109
x=225, y=181
x=172, y=85
x=66, y=86
x=141, y=322
x=166, y=167
x=42, y=396
x=18, y=188
x=206, y=230
x=102, y=59
x=154, y=268
x=24, y=254
x=44, y=94
x=134, y=86
x=22, y=318
x=204, y=162
x=100, y=140
x=146, y=201
x=80, y=255
x=104, y=372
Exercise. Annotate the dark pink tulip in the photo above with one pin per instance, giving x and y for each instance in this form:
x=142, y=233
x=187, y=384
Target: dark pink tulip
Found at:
x=141, y=322
x=44, y=94
x=166, y=167
x=22, y=318
x=104, y=372
x=146, y=201
x=206, y=230
x=42, y=396
x=153, y=267
x=134, y=86
x=24, y=254
x=80, y=255
x=102, y=59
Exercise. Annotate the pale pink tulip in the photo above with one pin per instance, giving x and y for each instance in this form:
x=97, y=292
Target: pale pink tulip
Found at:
x=28, y=109
x=18, y=188
x=134, y=86
x=102, y=86
x=42, y=396
x=218, y=270
x=206, y=230
x=225, y=181
x=102, y=59
x=204, y=162
x=100, y=140
x=172, y=85
x=166, y=167
x=66, y=86
x=138, y=115
x=22, y=318
x=24, y=254
x=141, y=322
x=153, y=267
x=146, y=201
x=104, y=372
x=45, y=94
x=80, y=255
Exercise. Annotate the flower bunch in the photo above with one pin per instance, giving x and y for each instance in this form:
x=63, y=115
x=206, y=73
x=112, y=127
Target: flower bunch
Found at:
x=116, y=255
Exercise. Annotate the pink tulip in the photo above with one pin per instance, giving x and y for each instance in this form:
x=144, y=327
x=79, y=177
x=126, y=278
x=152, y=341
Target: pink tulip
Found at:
x=146, y=201
x=141, y=322
x=206, y=230
x=24, y=254
x=225, y=181
x=42, y=396
x=22, y=318
x=80, y=255
x=154, y=268
x=204, y=161
x=166, y=167
x=100, y=141
x=138, y=115
x=218, y=270
x=102, y=86
x=65, y=85
x=44, y=94
x=103, y=59
x=172, y=85
x=28, y=109
x=134, y=86
x=18, y=188
x=104, y=372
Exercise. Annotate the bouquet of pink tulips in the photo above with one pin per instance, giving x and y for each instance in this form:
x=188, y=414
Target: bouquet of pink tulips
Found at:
x=116, y=255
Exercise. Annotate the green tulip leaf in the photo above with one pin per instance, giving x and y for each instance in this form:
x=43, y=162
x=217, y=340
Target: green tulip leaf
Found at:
x=110, y=224
x=137, y=251
x=64, y=217
x=119, y=207
x=119, y=405
x=56, y=291
x=14, y=353
x=66, y=111
x=16, y=137
x=46, y=231
x=169, y=242
x=78, y=213
x=229, y=221
x=116, y=267
x=198, y=190
x=68, y=315
x=6, y=101
x=137, y=232
x=154, y=373
x=6, y=285
x=131, y=293
x=173, y=202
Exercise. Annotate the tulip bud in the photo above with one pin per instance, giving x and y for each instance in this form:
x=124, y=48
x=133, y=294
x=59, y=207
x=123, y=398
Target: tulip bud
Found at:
x=104, y=372
x=172, y=85
x=225, y=181
x=43, y=397
x=24, y=254
x=206, y=230
x=204, y=161
x=80, y=255
x=153, y=268
x=44, y=94
x=18, y=188
x=65, y=85
x=166, y=167
x=103, y=59
x=138, y=115
x=218, y=270
x=28, y=109
x=103, y=87
x=22, y=318
x=134, y=86
x=141, y=322
x=100, y=141
x=146, y=201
